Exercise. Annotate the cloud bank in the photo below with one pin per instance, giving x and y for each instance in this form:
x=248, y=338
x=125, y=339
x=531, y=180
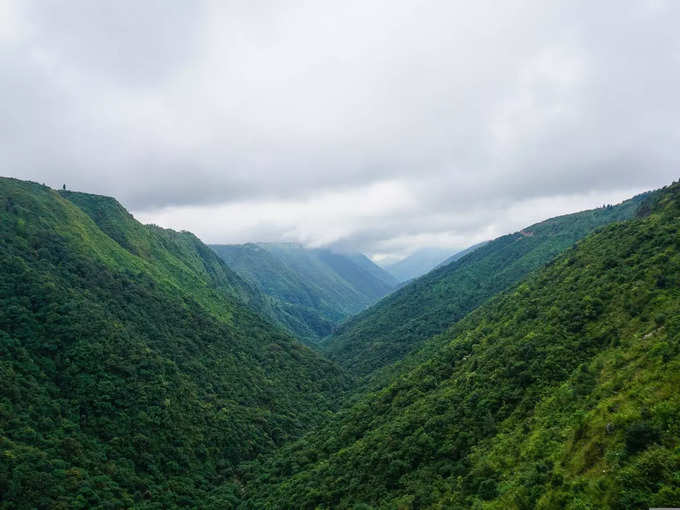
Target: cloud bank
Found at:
x=380, y=126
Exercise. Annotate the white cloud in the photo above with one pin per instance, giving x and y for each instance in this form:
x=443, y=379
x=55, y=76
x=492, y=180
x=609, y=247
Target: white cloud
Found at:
x=372, y=125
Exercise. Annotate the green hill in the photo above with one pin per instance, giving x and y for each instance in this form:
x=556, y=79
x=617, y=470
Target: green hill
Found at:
x=180, y=255
x=132, y=371
x=310, y=290
x=558, y=394
x=392, y=328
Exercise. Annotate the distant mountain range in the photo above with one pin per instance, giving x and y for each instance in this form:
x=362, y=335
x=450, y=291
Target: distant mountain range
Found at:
x=460, y=254
x=417, y=264
x=423, y=261
x=310, y=291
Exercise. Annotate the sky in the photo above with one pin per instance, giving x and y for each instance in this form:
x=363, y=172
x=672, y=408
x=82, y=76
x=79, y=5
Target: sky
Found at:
x=373, y=126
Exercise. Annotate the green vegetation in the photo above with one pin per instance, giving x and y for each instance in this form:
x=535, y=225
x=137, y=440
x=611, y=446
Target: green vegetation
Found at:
x=461, y=254
x=180, y=256
x=136, y=371
x=558, y=394
x=400, y=323
x=132, y=373
x=310, y=291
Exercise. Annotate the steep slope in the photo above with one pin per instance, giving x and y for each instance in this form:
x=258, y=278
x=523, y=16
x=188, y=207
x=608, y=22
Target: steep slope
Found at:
x=352, y=269
x=181, y=255
x=425, y=307
x=461, y=254
x=560, y=394
x=374, y=269
x=418, y=263
x=310, y=290
x=130, y=374
x=295, y=303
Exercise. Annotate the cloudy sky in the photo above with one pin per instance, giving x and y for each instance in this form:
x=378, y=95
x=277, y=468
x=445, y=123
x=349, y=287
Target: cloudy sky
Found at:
x=380, y=126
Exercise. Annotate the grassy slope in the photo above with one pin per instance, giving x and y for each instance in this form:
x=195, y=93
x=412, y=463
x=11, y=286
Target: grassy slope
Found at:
x=130, y=373
x=561, y=393
x=400, y=323
x=180, y=256
x=310, y=291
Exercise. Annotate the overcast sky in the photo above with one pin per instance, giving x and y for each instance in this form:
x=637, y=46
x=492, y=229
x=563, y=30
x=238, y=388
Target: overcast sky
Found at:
x=379, y=126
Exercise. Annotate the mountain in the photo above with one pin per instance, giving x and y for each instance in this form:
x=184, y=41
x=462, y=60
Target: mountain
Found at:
x=310, y=291
x=460, y=254
x=559, y=393
x=372, y=268
x=398, y=324
x=417, y=264
x=134, y=369
x=181, y=255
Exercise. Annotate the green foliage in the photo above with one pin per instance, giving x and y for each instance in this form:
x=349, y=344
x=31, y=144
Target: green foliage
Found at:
x=639, y=436
x=131, y=373
x=310, y=290
x=136, y=373
x=561, y=393
x=179, y=257
x=400, y=323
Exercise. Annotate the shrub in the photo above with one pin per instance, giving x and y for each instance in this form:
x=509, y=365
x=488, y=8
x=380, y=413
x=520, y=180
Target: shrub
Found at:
x=639, y=436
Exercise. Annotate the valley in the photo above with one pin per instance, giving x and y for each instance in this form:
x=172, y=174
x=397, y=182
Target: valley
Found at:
x=141, y=368
x=365, y=255
x=311, y=290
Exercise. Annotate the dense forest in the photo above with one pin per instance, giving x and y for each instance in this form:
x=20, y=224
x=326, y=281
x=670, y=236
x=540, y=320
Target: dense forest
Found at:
x=560, y=393
x=387, y=332
x=310, y=291
x=130, y=373
x=140, y=368
x=329, y=255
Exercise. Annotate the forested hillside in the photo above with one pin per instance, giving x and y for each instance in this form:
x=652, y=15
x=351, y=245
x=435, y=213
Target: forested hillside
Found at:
x=388, y=331
x=558, y=394
x=310, y=290
x=180, y=255
x=537, y=371
x=461, y=254
x=132, y=374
